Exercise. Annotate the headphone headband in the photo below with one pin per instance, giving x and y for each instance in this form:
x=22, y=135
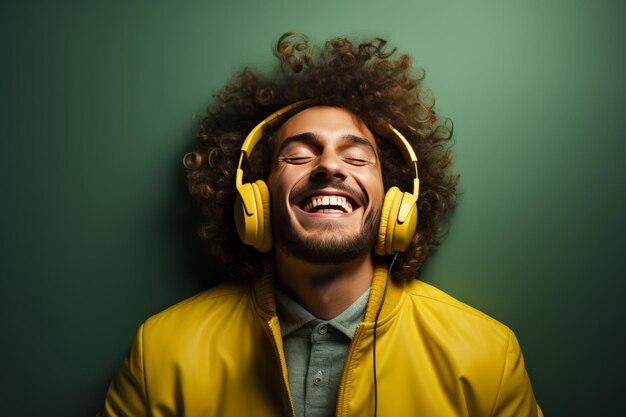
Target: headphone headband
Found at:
x=270, y=121
x=256, y=134
x=408, y=154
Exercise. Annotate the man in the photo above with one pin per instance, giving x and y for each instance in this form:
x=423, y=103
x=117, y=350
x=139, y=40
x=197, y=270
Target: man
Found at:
x=323, y=316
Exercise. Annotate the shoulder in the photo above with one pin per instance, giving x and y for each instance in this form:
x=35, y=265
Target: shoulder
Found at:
x=452, y=320
x=476, y=349
x=433, y=298
x=215, y=305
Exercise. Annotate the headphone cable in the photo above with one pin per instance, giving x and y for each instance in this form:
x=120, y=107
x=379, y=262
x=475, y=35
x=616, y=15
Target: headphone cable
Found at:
x=380, y=308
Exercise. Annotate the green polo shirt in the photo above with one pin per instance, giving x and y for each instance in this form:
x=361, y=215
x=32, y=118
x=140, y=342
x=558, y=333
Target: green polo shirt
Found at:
x=315, y=351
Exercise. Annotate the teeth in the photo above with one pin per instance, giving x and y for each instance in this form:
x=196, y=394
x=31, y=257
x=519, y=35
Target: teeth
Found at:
x=329, y=201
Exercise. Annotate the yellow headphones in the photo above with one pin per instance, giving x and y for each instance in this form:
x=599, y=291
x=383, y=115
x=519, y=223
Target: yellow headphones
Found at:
x=398, y=218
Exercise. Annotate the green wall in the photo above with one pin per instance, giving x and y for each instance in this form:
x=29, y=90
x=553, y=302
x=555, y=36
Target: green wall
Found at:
x=98, y=100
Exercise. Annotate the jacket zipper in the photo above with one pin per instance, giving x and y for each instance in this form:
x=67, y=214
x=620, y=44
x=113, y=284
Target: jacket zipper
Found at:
x=283, y=367
x=343, y=384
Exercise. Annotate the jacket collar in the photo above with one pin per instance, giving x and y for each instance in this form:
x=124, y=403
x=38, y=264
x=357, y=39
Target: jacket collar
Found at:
x=263, y=294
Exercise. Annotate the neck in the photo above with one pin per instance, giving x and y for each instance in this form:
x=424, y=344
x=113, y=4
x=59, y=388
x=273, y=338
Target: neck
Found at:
x=324, y=290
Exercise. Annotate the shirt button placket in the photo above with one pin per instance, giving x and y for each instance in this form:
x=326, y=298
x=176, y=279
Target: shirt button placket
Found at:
x=318, y=378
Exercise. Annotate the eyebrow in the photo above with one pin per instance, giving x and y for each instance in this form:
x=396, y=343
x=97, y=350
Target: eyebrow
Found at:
x=309, y=137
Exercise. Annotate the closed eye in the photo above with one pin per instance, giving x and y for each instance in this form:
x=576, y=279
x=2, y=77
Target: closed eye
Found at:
x=296, y=160
x=357, y=161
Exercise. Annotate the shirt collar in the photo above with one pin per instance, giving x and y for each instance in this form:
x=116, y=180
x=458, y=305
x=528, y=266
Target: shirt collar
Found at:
x=293, y=316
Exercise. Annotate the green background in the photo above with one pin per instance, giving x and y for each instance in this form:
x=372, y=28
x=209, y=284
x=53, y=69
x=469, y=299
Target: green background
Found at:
x=98, y=101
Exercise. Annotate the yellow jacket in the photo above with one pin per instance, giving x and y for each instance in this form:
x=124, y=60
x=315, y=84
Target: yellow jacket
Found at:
x=220, y=354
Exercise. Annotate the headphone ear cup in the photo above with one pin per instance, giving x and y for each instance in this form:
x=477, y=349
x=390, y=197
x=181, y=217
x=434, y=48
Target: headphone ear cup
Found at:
x=404, y=227
x=264, y=238
x=246, y=221
x=395, y=233
x=387, y=221
x=253, y=225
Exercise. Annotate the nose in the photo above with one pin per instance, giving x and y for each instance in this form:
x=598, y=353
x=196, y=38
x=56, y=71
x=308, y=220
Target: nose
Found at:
x=329, y=168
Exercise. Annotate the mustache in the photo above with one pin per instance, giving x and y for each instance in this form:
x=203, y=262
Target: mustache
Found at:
x=308, y=189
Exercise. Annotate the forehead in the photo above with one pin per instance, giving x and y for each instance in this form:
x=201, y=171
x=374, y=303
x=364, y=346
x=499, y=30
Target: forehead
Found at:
x=324, y=122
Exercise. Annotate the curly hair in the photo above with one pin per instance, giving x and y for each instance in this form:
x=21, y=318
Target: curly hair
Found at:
x=363, y=78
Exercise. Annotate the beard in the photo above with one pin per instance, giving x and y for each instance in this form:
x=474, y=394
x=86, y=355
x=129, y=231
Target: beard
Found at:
x=335, y=249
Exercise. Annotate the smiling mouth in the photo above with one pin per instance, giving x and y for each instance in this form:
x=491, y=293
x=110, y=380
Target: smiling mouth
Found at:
x=327, y=204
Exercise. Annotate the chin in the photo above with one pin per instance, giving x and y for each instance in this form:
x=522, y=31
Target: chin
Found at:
x=325, y=246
